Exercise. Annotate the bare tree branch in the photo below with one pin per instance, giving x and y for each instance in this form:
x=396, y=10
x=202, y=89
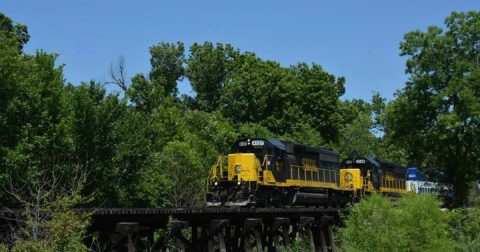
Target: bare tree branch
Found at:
x=41, y=199
x=118, y=74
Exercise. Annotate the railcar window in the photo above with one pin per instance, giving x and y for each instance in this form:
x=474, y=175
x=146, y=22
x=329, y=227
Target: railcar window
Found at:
x=279, y=166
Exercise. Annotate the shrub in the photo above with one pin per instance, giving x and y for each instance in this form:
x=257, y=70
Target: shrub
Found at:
x=369, y=226
x=423, y=225
x=64, y=231
x=465, y=228
x=415, y=224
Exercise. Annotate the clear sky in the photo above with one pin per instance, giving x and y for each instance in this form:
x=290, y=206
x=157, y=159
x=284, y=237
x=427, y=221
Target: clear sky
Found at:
x=355, y=39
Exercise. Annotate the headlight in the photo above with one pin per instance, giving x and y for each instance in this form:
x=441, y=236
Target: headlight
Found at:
x=348, y=177
x=238, y=169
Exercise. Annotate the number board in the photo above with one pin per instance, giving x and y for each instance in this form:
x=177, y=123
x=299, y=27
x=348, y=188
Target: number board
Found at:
x=258, y=143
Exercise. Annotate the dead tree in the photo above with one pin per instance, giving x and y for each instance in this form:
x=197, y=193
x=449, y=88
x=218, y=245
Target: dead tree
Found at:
x=118, y=74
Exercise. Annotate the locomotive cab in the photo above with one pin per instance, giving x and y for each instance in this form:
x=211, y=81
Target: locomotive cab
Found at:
x=359, y=174
x=367, y=175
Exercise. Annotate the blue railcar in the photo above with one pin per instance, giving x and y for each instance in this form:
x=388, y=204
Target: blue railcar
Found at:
x=418, y=182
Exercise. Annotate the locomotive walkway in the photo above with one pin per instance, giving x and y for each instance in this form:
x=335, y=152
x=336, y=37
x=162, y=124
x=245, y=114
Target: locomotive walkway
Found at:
x=211, y=229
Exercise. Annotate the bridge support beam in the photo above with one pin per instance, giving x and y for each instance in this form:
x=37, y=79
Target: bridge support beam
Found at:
x=126, y=231
x=220, y=229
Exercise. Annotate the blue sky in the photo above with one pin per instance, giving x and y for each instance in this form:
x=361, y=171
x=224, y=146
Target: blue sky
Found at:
x=355, y=39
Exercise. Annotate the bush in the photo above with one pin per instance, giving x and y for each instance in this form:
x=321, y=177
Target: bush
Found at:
x=298, y=245
x=465, y=225
x=64, y=231
x=369, y=226
x=415, y=224
x=48, y=223
x=423, y=225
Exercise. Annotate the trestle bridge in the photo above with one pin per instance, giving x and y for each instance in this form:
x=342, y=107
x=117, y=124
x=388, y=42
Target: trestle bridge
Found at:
x=211, y=229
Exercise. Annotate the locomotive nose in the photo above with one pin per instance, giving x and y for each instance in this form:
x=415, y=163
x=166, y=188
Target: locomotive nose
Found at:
x=350, y=179
x=242, y=167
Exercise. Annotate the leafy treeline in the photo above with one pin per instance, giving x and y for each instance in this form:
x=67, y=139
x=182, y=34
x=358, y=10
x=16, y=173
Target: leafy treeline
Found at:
x=150, y=146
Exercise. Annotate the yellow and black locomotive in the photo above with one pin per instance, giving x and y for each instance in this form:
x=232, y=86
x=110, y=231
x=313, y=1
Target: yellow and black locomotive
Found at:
x=264, y=172
x=270, y=172
x=368, y=175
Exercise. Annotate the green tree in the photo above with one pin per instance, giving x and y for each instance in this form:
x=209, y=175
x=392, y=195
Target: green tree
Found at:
x=357, y=139
x=305, y=134
x=378, y=109
x=208, y=71
x=320, y=94
x=263, y=92
x=16, y=31
x=370, y=226
x=254, y=130
x=95, y=132
x=244, y=98
x=181, y=163
x=167, y=66
x=435, y=117
x=33, y=118
x=160, y=88
x=212, y=129
x=135, y=163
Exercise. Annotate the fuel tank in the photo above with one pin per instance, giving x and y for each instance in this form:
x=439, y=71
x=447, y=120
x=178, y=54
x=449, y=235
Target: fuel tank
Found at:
x=308, y=199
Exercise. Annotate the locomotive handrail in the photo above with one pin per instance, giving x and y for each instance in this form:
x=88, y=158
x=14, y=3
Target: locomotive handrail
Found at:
x=394, y=184
x=318, y=171
x=258, y=168
x=218, y=168
x=264, y=162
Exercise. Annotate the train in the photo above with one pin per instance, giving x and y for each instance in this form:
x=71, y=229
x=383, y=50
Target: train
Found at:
x=267, y=172
x=418, y=182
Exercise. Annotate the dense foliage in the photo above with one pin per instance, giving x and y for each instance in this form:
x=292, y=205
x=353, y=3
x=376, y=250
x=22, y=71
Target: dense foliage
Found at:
x=414, y=223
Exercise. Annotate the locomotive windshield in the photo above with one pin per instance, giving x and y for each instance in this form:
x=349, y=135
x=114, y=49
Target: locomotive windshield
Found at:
x=259, y=147
x=363, y=164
